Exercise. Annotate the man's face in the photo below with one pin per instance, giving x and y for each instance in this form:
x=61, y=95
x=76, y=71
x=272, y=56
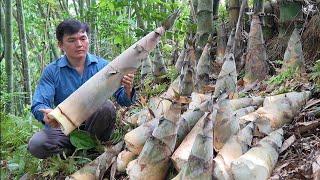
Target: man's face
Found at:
x=75, y=45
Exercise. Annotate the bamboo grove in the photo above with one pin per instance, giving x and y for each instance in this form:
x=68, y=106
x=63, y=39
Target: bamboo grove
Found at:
x=212, y=121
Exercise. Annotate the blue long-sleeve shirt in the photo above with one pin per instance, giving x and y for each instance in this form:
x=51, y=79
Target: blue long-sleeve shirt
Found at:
x=59, y=80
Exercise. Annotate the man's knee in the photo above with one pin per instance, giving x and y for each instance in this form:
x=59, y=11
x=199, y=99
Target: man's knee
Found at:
x=36, y=145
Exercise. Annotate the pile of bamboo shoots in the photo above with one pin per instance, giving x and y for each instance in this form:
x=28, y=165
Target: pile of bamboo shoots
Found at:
x=188, y=133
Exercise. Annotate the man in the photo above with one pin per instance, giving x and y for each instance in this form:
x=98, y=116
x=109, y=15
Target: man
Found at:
x=61, y=78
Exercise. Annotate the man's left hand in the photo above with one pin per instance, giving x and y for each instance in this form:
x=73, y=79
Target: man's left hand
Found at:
x=127, y=82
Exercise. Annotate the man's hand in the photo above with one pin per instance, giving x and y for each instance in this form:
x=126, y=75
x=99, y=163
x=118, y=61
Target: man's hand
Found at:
x=51, y=122
x=127, y=82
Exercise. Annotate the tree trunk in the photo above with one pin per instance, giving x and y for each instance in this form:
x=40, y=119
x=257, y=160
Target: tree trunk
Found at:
x=24, y=53
x=234, y=8
x=2, y=32
x=8, y=53
x=93, y=21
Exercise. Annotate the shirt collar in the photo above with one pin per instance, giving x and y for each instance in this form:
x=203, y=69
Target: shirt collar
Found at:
x=89, y=60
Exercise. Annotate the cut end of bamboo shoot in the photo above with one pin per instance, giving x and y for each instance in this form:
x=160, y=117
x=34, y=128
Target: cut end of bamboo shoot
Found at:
x=65, y=124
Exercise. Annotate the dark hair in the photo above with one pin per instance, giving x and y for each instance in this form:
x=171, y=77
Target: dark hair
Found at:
x=70, y=26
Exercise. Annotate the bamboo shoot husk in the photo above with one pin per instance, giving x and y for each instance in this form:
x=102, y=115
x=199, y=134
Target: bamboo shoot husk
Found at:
x=277, y=111
x=146, y=69
x=144, y=116
x=226, y=124
x=202, y=70
x=197, y=99
x=124, y=157
x=199, y=165
x=97, y=168
x=186, y=123
x=180, y=60
x=245, y=102
x=260, y=160
x=81, y=104
x=171, y=92
x=256, y=67
x=227, y=79
x=186, y=84
x=236, y=146
x=158, y=66
x=136, y=138
x=293, y=56
x=181, y=154
x=153, y=161
x=159, y=106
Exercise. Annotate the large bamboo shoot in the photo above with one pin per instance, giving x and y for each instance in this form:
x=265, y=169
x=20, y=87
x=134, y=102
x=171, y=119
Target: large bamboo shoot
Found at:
x=260, y=160
x=81, y=104
x=277, y=111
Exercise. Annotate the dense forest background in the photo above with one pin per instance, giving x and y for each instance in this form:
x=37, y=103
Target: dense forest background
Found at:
x=28, y=43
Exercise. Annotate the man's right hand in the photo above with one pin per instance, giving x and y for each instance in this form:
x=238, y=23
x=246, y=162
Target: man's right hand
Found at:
x=51, y=122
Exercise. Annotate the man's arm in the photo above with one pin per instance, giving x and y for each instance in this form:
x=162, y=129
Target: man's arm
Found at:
x=126, y=95
x=43, y=95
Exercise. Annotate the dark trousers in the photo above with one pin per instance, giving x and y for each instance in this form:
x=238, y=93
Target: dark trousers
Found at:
x=50, y=141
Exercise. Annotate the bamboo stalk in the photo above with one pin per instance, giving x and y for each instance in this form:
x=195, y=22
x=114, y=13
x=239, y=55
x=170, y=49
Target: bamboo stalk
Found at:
x=76, y=109
x=260, y=160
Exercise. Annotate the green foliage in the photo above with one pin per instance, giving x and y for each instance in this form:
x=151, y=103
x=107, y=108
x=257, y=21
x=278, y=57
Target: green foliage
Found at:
x=153, y=89
x=282, y=77
x=15, y=133
x=82, y=140
x=222, y=13
x=315, y=74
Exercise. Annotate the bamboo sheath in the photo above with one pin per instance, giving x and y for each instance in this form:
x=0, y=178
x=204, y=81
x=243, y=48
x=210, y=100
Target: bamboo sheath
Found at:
x=260, y=160
x=81, y=104
x=276, y=111
x=153, y=161
x=232, y=149
x=199, y=164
